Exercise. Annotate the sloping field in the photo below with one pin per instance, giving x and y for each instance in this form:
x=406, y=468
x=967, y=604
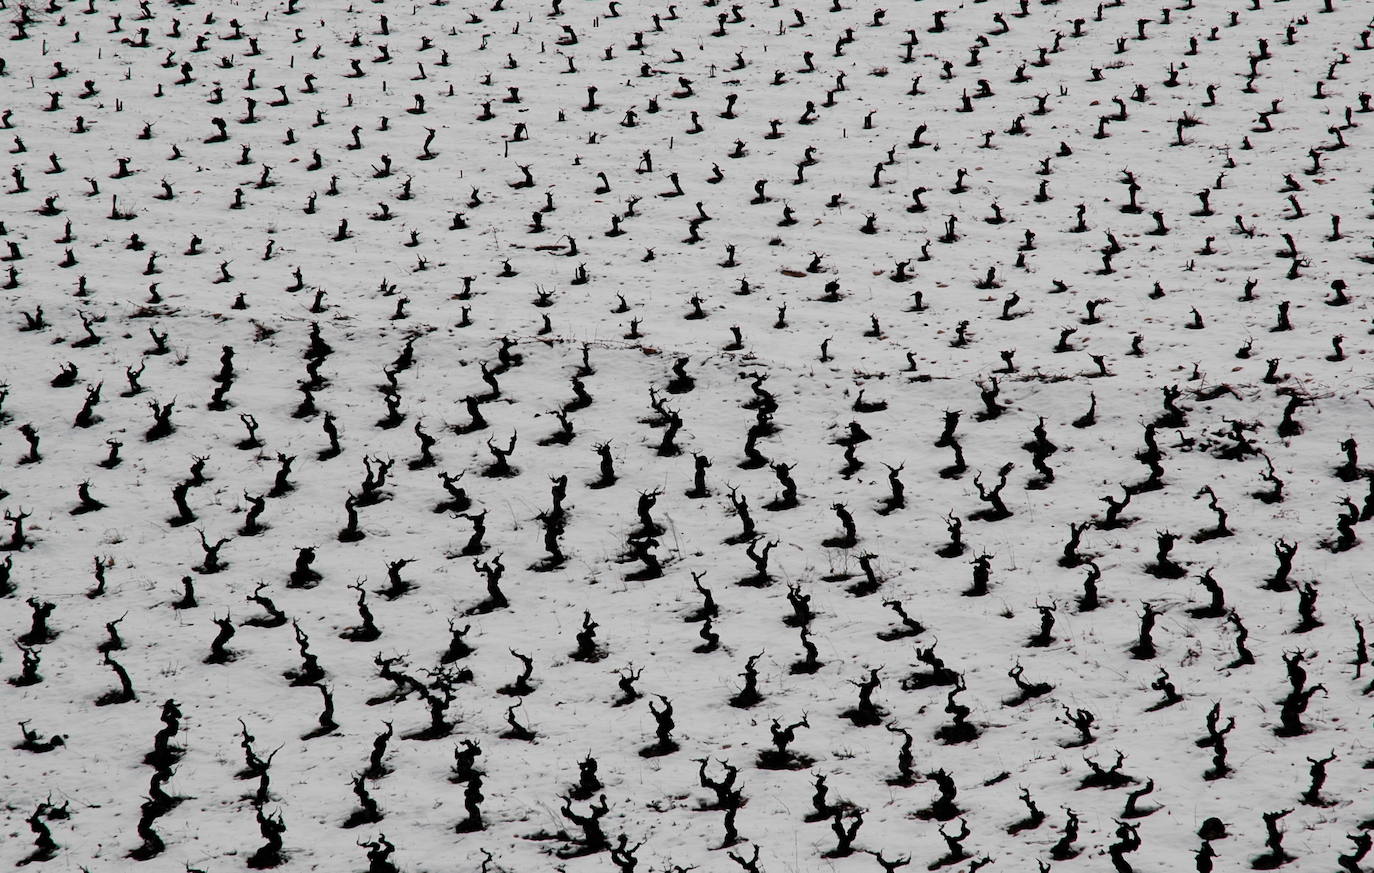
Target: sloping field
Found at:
x=596, y=436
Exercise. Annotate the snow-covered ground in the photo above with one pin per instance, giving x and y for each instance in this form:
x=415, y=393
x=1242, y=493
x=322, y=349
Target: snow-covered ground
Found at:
x=835, y=115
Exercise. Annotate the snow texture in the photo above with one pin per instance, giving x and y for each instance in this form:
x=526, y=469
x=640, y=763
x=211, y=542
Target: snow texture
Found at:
x=794, y=243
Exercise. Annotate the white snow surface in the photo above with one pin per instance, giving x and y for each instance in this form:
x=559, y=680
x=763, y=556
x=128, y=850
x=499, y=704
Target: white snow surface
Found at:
x=1189, y=338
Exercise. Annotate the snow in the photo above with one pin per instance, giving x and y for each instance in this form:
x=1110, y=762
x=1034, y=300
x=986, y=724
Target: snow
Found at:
x=100, y=772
